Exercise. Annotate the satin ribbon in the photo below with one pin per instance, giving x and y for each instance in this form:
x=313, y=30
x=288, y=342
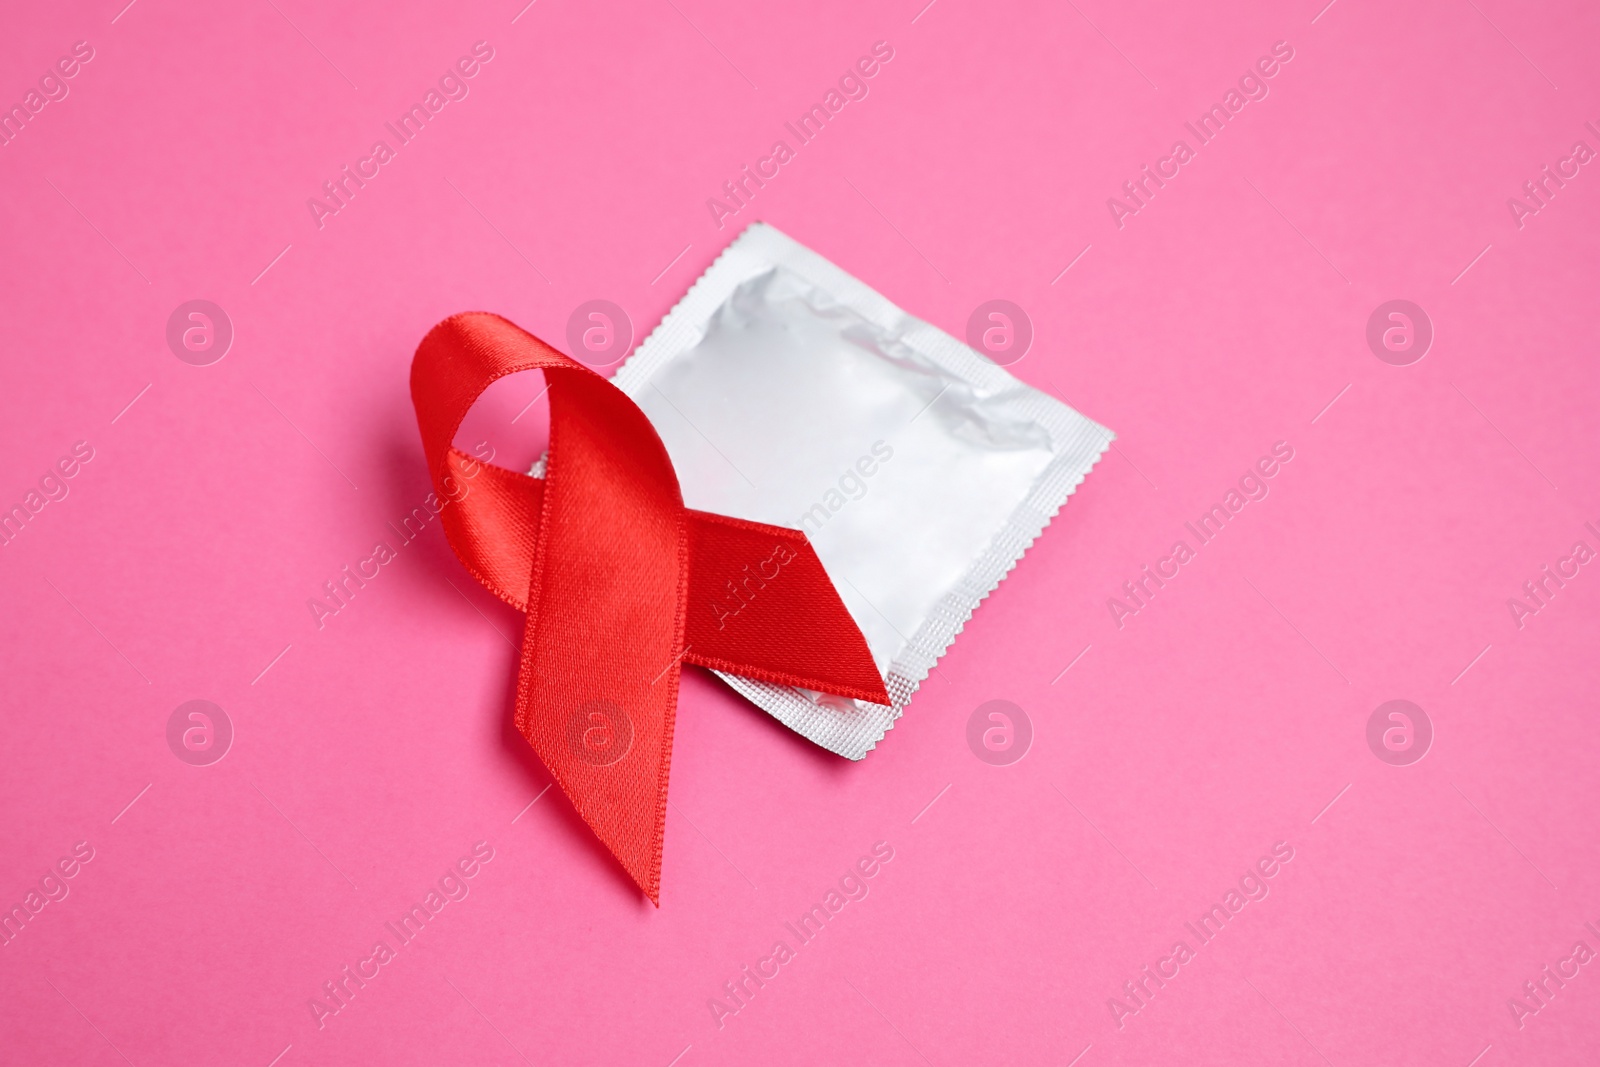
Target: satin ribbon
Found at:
x=621, y=584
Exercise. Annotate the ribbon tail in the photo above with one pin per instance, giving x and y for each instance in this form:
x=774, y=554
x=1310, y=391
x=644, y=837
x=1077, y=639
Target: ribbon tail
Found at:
x=762, y=606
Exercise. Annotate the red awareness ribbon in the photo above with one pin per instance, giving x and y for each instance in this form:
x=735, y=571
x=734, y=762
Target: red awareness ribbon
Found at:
x=621, y=584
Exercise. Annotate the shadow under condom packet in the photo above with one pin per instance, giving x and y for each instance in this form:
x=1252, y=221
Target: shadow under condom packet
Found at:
x=788, y=392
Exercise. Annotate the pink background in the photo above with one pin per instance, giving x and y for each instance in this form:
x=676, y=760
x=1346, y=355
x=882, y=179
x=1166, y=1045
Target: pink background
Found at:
x=1224, y=717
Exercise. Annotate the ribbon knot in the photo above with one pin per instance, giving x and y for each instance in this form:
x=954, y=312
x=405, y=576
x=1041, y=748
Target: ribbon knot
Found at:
x=621, y=584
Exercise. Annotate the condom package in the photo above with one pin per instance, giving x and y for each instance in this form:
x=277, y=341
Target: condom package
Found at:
x=787, y=392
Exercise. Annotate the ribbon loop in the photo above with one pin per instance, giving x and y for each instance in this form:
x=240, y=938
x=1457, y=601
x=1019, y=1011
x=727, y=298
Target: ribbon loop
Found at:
x=620, y=583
